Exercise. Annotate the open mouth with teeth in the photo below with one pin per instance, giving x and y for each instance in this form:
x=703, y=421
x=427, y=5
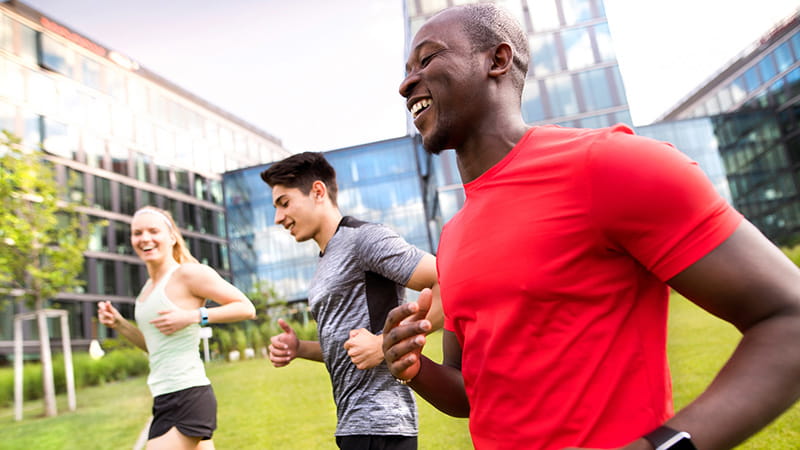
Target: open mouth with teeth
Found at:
x=418, y=107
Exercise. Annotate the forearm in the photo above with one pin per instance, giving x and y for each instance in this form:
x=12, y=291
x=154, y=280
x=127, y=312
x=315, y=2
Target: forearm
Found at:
x=756, y=385
x=441, y=386
x=310, y=350
x=231, y=312
x=131, y=333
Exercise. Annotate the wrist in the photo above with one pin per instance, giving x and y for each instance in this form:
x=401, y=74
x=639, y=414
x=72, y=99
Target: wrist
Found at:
x=203, y=316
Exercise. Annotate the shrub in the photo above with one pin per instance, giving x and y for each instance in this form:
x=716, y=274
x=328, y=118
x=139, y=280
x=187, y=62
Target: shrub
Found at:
x=116, y=365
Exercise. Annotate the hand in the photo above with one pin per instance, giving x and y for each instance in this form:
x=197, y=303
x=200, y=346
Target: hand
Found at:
x=364, y=348
x=173, y=320
x=108, y=315
x=283, y=347
x=404, y=336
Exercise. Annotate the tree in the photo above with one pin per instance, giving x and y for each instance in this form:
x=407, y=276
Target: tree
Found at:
x=41, y=244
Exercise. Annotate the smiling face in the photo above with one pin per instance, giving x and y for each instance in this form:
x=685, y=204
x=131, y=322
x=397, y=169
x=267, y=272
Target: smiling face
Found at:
x=444, y=82
x=151, y=237
x=296, y=211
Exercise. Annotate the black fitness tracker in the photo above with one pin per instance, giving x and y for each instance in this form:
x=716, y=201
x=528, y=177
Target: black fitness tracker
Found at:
x=665, y=438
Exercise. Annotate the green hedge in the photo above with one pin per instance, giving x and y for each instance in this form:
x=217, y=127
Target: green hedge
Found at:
x=117, y=365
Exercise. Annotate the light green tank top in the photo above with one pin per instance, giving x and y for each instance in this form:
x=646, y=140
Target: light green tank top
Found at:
x=175, y=362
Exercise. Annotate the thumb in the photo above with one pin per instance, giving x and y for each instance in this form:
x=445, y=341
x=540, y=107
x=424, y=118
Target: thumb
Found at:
x=285, y=326
x=425, y=301
x=354, y=333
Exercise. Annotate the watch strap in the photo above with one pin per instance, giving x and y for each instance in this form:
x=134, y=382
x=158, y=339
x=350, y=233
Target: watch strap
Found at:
x=666, y=438
x=203, y=316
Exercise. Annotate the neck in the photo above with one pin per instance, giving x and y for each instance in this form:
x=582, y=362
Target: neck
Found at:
x=328, y=228
x=158, y=269
x=487, y=148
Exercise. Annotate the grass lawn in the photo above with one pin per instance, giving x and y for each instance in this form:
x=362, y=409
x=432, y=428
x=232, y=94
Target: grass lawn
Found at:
x=261, y=407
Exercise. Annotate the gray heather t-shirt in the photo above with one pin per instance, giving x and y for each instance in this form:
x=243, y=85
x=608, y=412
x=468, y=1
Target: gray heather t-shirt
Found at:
x=359, y=279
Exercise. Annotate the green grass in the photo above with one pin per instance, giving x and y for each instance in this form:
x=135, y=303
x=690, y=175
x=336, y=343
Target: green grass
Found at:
x=699, y=344
x=261, y=407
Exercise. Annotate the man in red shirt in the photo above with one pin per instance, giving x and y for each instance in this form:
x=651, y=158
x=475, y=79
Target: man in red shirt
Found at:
x=554, y=275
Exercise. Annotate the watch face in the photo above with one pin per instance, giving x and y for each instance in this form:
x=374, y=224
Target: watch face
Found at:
x=683, y=444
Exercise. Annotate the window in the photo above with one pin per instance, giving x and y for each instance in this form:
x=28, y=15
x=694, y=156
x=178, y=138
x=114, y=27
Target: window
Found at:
x=767, y=66
x=28, y=47
x=127, y=199
x=783, y=57
x=105, y=277
x=199, y=187
x=56, y=56
x=578, y=48
x=576, y=11
x=596, y=89
x=75, y=185
x=189, y=216
x=98, y=240
x=90, y=72
x=95, y=151
x=142, y=167
x=122, y=237
x=544, y=55
x=544, y=15
x=119, y=158
x=532, y=103
x=6, y=33
x=752, y=79
x=102, y=193
x=605, y=46
x=561, y=94
x=60, y=139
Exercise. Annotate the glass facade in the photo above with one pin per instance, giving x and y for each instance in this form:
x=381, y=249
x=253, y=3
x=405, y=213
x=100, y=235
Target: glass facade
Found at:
x=379, y=182
x=119, y=137
x=573, y=78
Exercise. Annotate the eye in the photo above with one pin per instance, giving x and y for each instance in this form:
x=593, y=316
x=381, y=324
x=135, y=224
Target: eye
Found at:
x=427, y=59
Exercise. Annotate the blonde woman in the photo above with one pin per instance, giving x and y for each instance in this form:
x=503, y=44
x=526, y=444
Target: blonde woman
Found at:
x=169, y=312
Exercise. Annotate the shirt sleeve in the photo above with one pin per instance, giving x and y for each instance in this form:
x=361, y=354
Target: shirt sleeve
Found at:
x=656, y=204
x=383, y=251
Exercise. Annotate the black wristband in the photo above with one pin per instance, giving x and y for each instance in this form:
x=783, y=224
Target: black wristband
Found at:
x=666, y=438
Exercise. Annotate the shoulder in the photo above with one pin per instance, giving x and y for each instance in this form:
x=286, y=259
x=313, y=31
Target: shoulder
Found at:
x=195, y=271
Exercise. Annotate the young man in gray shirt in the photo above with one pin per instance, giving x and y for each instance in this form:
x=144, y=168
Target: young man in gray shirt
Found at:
x=362, y=273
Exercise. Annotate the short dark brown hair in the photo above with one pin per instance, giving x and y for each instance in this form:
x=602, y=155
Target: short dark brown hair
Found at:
x=301, y=171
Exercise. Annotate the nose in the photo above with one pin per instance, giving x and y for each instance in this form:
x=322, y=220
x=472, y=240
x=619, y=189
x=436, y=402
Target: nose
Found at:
x=279, y=216
x=407, y=86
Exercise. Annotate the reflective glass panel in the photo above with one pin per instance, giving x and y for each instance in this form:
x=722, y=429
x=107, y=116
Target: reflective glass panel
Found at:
x=561, y=94
x=544, y=55
x=578, y=48
x=576, y=11
x=544, y=15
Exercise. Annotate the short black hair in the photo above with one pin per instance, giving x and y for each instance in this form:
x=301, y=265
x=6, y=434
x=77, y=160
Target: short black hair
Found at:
x=488, y=25
x=301, y=171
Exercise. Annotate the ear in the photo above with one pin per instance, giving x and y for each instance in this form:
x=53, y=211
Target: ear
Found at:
x=318, y=190
x=502, y=60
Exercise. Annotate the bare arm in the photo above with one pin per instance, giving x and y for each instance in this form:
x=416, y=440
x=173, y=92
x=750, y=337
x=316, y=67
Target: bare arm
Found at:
x=110, y=317
x=404, y=337
x=204, y=282
x=195, y=283
x=750, y=283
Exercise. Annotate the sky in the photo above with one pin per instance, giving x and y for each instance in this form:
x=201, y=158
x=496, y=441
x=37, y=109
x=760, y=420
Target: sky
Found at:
x=321, y=74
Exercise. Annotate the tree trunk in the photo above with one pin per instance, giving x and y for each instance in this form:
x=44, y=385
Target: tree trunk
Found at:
x=49, y=389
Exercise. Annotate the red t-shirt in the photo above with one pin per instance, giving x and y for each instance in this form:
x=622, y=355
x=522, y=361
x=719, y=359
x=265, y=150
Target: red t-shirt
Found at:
x=553, y=279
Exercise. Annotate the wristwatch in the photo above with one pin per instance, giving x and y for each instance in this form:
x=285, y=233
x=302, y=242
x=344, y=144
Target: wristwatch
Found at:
x=665, y=438
x=203, y=316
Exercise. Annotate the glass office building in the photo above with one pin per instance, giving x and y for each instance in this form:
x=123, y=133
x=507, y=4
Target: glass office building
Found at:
x=379, y=182
x=573, y=78
x=754, y=104
x=119, y=137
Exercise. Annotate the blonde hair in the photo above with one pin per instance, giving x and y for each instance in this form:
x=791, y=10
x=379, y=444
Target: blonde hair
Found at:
x=180, y=251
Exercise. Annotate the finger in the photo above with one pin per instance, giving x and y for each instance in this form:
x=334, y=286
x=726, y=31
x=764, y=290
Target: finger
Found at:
x=402, y=348
x=166, y=311
x=397, y=314
x=354, y=333
x=285, y=326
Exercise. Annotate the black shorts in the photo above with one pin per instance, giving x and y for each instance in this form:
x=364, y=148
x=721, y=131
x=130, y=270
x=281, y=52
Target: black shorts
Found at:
x=376, y=442
x=193, y=411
